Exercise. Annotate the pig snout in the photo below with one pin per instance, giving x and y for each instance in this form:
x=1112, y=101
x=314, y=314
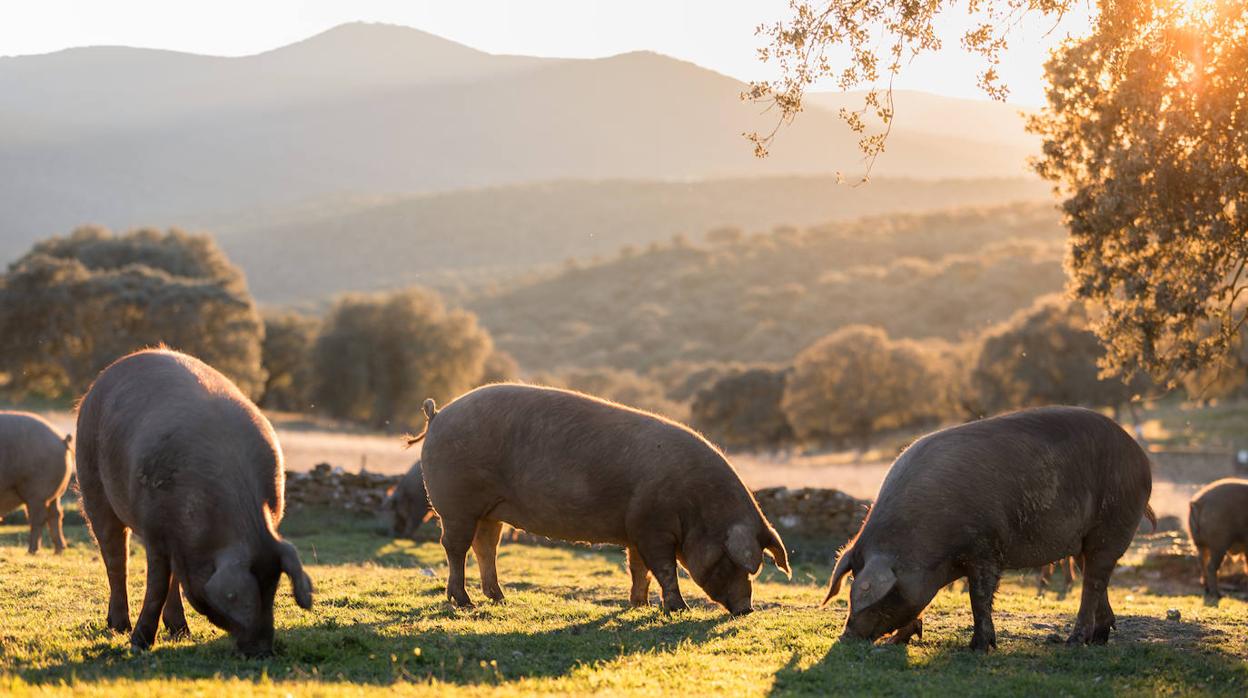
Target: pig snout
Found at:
x=255, y=644
x=742, y=610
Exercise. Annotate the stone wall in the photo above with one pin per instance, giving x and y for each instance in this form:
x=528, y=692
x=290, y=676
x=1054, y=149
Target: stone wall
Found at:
x=826, y=515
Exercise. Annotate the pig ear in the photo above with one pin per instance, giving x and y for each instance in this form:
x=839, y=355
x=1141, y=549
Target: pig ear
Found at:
x=842, y=569
x=876, y=580
x=775, y=548
x=299, y=579
x=744, y=549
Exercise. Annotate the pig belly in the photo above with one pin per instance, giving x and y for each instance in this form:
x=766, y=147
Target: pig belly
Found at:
x=561, y=523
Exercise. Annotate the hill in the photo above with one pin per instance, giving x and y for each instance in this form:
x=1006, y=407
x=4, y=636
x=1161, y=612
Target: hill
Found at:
x=126, y=137
x=473, y=236
x=765, y=297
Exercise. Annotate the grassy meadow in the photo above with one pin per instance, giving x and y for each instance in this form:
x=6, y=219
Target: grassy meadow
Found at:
x=381, y=626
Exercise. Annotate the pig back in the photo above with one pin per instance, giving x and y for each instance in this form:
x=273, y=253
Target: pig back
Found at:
x=1026, y=487
x=157, y=422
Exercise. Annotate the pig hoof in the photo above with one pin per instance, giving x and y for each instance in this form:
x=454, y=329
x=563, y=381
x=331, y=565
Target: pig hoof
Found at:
x=675, y=606
x=1213, y=600
x=119, y=627
x=138, y=643
x=182, y=633
x=980, y=643
x=639, y=603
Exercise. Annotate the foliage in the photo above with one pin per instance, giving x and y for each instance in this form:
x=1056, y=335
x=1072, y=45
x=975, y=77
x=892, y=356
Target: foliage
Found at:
x=382, y=627
x=879, y=36
x=378, y=357
x=287, y=358
x=1145, y=136
x=72, y=305
x=767, y=296
x=622, y=386
x=742, y=409
x=1044, y=355
x=857, y=381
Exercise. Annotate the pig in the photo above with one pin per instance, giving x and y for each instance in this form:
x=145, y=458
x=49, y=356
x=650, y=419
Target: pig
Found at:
x=35, y=466
x=1218, y=524
x=409, y=504
x=1045, y=574
x=1016, y=491
x=569, y=466
x=171, y=449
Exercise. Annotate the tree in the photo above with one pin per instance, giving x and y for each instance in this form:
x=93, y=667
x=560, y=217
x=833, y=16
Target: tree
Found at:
x=1145, y=136
x=879, y=36
x=857, y=381
x=72, y=305
x=287, y=358
x=1044, y=355
x=378, y=357
x=742, y=409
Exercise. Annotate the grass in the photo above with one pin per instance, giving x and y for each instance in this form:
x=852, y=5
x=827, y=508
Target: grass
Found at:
x=381, y=626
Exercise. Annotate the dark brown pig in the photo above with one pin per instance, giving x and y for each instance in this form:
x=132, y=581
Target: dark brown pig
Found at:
x=1218, y=523
x=409, y=504
x=569, y=466
x=1016, y=491
x=35, y=466
x=169, y=448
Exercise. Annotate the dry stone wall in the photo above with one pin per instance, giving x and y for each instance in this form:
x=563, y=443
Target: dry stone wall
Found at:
x=827, y=515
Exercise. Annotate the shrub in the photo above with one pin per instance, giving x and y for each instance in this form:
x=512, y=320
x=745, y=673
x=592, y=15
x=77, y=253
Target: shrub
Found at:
x=378, y=357
x=72, y=305
x=743, y=409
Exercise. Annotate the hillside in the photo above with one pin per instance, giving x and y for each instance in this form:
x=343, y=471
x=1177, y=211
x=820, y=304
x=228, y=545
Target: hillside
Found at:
x=127, y=137
x=309, y=252
x=765, y=297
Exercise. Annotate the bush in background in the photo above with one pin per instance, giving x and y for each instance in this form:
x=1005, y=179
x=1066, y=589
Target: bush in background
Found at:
x=856, y=382
x=287, y=356
x=743, y=409
x=378, y=357
x=73, y=305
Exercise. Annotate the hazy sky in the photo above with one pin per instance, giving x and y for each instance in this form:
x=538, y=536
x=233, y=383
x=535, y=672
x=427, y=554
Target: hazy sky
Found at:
x=718, y=34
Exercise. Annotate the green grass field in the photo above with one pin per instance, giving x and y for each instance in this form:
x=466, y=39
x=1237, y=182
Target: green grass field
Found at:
x=381, y=626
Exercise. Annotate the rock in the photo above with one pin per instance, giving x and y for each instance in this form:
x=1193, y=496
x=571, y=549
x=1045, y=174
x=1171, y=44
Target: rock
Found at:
x=1173, y=614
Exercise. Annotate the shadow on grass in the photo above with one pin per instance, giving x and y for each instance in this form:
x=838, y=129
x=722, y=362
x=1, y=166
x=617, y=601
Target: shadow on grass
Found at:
x=371, y=653
x=1145, y=655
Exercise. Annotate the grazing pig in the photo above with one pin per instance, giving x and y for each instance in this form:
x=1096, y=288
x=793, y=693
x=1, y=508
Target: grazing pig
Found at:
x=169, y=448
x=35, y=466
x=1016, y=491
x=1218, y=523
x=569, y=466
x=409, y=504
x=1045, y=573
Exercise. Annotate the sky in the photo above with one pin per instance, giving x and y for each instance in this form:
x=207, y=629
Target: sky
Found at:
x=717, y=34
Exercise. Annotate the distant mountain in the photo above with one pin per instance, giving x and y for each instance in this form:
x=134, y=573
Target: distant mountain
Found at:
x=326, y=247
x=999, y=123
x=125, y=136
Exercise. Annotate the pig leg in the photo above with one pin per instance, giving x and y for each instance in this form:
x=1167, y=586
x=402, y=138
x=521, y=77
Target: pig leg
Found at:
x=485, y=547
x=56, y=519
x=1212, y=563
x=158, y=582
x=983, y=583
x=457, y=536
x=38, y=515
x=660, y=556
x=174, y=615
x=912, y=629
x=114, y=540
x=640, y=594
x=1095, y=617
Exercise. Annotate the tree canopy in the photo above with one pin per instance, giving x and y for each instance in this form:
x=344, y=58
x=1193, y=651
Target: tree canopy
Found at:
x=72, y=305
x=1146, y=135
x=378, y=357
